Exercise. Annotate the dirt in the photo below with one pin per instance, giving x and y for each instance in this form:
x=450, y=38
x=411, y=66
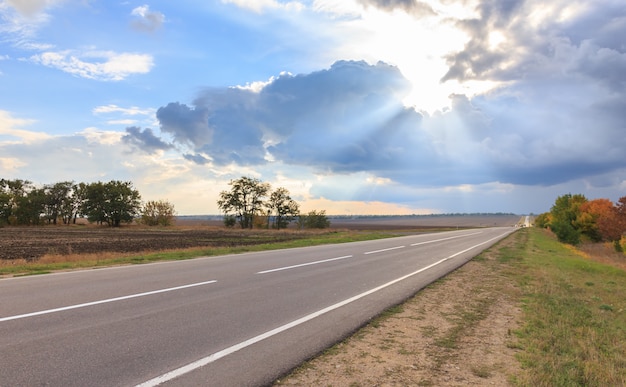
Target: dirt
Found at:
x=32, y=243
x=456, y=332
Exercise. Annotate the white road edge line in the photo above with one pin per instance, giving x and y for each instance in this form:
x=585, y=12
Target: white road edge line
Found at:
x=304, y=264
x=383, y=250
x=445, y=239
x=227, y=351
x=48, y=311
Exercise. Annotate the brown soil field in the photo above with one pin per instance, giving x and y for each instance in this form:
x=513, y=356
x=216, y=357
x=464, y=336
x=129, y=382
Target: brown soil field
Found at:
x=31, y=243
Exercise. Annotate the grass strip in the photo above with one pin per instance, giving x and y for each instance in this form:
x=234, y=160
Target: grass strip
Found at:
x=574, y=330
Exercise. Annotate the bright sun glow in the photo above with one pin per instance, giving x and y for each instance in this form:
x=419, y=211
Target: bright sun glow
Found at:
x=418, y=48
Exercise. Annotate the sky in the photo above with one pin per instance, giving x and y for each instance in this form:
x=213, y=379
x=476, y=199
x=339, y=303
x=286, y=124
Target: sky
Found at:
x=386, y=107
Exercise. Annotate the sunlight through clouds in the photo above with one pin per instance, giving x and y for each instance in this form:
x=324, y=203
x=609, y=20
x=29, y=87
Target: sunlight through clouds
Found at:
x=356, y=106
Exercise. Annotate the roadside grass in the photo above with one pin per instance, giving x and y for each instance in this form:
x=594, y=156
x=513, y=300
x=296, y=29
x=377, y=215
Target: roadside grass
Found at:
x=57, y=262
x=574, y=328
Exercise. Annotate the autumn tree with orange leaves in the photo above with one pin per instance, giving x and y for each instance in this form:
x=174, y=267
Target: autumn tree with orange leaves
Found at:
x=573, y=217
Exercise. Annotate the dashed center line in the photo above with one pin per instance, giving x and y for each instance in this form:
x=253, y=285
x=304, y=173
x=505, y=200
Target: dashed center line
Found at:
x=304, y=264
x=383, y=250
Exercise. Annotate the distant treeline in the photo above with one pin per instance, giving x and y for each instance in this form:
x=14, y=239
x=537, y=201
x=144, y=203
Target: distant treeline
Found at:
x=111, y=203
x=422, y=215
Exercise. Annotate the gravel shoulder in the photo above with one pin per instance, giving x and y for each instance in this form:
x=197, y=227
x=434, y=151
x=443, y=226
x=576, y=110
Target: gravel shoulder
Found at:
x=456, y=332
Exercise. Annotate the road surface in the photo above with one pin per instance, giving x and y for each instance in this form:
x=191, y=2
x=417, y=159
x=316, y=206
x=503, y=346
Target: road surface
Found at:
x=239, y=320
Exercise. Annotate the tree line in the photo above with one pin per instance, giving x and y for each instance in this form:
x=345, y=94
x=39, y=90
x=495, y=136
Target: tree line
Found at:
x=574, y=218
x=252, y=203
x=111, y=203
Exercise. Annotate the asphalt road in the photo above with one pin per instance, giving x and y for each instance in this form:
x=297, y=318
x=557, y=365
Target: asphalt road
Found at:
x=239, y=320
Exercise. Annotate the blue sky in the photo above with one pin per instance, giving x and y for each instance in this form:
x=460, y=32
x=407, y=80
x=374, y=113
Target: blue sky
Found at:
x=356, y=107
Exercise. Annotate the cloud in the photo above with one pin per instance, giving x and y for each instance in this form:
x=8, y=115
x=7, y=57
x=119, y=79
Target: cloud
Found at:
x=147, y=20
x=10, y=127
x=414, y=7
x=350, y=119
x=97, y=65
x=259, y=6
x=518, y=39
x=144, y=140
x=131, y=111
x=31, y=7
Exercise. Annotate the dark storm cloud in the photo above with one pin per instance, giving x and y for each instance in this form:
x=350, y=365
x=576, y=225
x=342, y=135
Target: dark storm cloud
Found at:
x=333, y=114
x=198, y=159
x=477, y=59
x=414, y=7
x=589, y=44
x=144, y=140
x=187, y=125
x=350, y=118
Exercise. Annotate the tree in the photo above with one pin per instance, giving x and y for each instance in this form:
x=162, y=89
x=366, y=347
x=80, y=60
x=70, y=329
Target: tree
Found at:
x=314, y=219
x=57, y=196
x=6, y=206
x=30, y=207
x=599, y=220
x=245, y=199
x=158, y=213
x=282, y=207
x=111, y=203
x=72, y=205
x=543, y=220
x=565, y=211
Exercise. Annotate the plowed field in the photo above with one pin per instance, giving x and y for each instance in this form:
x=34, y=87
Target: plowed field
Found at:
x=33, y=242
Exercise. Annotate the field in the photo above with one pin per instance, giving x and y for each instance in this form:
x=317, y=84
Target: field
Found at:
x=31, y=243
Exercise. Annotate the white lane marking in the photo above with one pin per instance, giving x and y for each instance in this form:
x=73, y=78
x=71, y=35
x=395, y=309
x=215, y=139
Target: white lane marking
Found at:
x=227, y=351
x=480, y=244
x=304, y=264
x=383, y=250
x=445, y=239
x=16, y=317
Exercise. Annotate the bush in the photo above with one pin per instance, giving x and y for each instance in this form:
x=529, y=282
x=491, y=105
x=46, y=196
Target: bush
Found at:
x=230, y=221
x=314, y=220
x=158, y=213
x=566, y=233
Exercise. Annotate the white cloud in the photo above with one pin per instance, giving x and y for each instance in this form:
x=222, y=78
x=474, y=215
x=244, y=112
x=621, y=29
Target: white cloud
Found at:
x=9, y=127
x=97, y=65
x=259, y=6
x=10, y=164
x=131, y=111
x=147, y=20
x=95, y=135
x=32, y=7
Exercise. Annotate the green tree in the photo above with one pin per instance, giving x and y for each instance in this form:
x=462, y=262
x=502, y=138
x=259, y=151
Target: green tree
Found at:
x=71, y=207
x=565, y=211
x=6, y=204
x=57, y=196
x=158, y=213
x=543, y=220
x=283, y=207
x=111, y=203
x=244, y=200
x=30, y=207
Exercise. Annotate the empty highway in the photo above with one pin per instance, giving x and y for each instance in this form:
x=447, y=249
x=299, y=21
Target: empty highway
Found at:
x=237, y=320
